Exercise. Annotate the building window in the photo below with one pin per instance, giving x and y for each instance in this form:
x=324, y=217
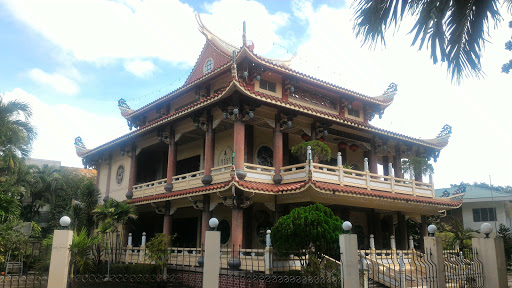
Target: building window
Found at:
x=265, y=156
x=208, y=66
x=354, y=112
x=484, y=214
x=267, y=85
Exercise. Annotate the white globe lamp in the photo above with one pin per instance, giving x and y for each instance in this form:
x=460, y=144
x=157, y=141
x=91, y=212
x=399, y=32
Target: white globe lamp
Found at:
x=432, y=229
x=65, y=221
x=214, y=222
x=486, y=228
x=347, y=226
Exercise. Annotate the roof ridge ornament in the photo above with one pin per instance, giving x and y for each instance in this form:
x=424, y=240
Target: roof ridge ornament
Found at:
x=80, y=146
x=445, y=131
x=225, y=46
x=124, y=108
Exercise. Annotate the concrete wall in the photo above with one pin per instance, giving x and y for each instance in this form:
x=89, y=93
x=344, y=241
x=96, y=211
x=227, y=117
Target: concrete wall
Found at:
x=118, y=190
x=223, y=141
x=501, y=215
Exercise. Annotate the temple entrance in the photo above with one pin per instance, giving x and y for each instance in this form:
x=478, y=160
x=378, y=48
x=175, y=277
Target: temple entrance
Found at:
x=185, y=230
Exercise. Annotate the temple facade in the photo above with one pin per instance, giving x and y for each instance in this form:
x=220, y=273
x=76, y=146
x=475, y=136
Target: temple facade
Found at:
x=220, y=146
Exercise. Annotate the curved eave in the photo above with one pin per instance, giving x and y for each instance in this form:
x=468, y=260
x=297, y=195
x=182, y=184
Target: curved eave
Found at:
x=380, y=100
x=441, y=142
x=229, y=88
x=182, y=89
x=331, y=116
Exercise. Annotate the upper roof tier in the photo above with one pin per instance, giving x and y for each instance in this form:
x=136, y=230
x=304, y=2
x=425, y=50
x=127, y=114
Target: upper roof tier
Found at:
x=222, y=54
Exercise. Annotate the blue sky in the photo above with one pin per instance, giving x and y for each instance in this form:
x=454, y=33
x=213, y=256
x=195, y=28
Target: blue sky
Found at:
x=72, y=60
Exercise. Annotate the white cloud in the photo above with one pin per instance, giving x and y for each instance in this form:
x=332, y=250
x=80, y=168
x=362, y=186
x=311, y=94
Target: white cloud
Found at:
x=101, y=31
x=140, y=68
x=58, y=125
x=477, y=110
x=55, y=80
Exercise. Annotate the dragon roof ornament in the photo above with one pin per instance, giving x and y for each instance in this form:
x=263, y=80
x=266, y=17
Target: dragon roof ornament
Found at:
x=442, y=138
x=80, y=146
x=124, y=108
x=389, y=93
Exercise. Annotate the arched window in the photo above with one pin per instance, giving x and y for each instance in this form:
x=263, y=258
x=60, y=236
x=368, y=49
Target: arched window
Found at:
x=265, y=156
x=208, y=66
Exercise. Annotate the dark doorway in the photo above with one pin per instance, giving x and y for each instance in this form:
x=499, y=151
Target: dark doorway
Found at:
x=188, y=165
x=185, y=230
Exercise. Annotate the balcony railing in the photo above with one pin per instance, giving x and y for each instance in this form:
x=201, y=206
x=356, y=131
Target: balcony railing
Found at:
x=294, y=173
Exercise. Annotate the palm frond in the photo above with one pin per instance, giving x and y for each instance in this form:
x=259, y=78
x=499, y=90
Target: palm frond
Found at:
x=468, y=26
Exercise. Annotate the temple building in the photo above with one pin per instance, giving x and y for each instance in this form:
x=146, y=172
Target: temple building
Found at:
x=220, y=145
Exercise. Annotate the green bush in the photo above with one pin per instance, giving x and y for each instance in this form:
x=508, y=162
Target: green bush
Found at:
x=314, y=225
x=318, y=149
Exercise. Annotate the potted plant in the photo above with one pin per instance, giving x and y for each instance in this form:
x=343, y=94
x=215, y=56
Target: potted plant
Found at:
x=319, y=151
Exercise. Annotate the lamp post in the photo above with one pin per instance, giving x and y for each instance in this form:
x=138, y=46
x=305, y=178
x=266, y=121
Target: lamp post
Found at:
x=486, y=228
x=347, y=226
x=432, y=229
x=214, y=222
x=64, y=222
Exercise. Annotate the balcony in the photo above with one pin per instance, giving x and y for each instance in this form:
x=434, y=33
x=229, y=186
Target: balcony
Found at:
x=294, y=173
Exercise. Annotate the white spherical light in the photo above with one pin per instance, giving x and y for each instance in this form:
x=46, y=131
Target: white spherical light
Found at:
x=432, y=229
x=486, y=228
x=65, y=221
x=214, y=222
x=347, y=226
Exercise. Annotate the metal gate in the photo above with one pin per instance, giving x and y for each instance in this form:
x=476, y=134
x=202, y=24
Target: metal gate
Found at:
x=26, y=267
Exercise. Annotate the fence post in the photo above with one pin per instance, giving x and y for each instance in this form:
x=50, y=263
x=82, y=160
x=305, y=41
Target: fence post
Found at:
x=142, y=250
x=491, y=252
x=372, y=247
x=364, y=266
x=268, y=254
x=60, y=257
x=434, y=247
x=393, y=249
x=349, y=260
x=129, y=247
x=411, y=243
x=401, y=271
x=211, y=267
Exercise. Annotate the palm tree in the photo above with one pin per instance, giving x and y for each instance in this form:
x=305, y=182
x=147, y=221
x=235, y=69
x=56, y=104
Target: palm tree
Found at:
x=16, y=131
x=454, y=30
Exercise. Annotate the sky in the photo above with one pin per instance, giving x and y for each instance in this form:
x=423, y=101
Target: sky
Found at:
x=72, y=60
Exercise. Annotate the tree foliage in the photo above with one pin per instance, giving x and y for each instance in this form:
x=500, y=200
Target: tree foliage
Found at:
x=419, y=166
x=318, y=150
x=314, y=225
x=508, y=46
x=455, y=31
x=80, y=249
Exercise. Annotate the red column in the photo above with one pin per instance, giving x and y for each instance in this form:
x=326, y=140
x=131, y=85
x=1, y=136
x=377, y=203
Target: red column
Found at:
x=372, y=161
x=239, y=137
x=385, y=165
x=206, y=215
x=237, y=229
x=208, y=153
x=109, y=175
x=167, y=229
x=278, y=150
x=171, y=161
x=133, y=172
x=397, y=162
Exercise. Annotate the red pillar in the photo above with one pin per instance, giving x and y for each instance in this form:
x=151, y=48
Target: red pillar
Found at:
x=239, y=137
x=385, y=165
x=372, y=161
x=237, y=229
x=278, y=150
x=397, y=162
x=171, y=162
x=206, y=215
x=167, y=229
x=133, y=172
x=208, y=153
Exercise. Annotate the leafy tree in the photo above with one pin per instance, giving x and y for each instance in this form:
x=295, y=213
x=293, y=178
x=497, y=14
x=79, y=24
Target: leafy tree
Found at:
x=455, y=31
x=419, y=166
x=16, y=131
x=456, y=235
x=113, y=213
x=157, y=250
x=505, y=233
x=318, y=150
x=87, y=197
x=314, y=225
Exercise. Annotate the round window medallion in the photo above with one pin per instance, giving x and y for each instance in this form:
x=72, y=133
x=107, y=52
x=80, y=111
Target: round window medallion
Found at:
x=208, y=66
x=120, y=174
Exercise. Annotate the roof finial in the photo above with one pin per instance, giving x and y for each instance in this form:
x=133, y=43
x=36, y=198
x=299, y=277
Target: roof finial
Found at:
x=244, y=37
x=233, y=66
